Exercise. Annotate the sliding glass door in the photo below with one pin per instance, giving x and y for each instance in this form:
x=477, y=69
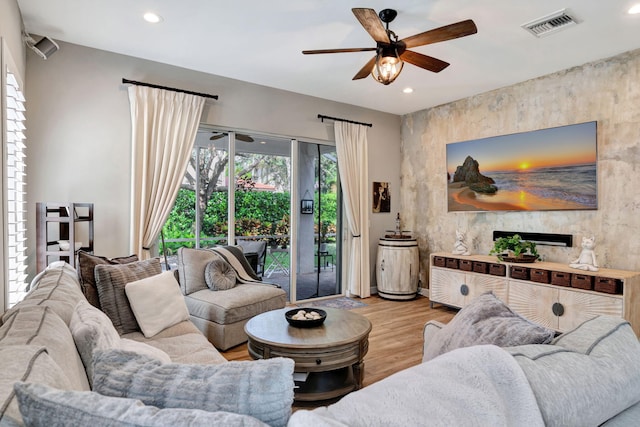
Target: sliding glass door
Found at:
x=275, y=197
x=318, y=239
x=262, y=173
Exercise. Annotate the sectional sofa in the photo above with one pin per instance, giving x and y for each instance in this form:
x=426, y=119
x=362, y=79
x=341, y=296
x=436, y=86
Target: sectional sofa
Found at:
x=49, y=340
x=586, y=377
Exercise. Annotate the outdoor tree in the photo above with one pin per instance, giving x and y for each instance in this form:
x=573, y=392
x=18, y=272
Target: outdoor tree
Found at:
x=257, y=212
x=212, y=163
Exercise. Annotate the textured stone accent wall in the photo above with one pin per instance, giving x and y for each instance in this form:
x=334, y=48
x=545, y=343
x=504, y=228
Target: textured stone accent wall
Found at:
x=607, y=91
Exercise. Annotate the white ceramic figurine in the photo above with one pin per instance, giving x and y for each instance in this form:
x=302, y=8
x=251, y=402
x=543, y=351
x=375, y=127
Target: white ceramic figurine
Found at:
x=587, y=258
x=460, y=247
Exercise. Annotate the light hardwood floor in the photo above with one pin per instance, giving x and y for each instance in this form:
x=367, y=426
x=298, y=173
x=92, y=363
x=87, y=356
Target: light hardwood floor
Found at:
x=395, y=341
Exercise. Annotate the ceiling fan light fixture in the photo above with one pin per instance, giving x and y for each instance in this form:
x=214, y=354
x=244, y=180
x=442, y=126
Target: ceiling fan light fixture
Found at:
x=152, y=17
x=387, y=67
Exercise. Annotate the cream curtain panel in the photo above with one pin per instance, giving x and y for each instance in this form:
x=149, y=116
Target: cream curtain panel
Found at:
x=163, y=129
x=353, y=165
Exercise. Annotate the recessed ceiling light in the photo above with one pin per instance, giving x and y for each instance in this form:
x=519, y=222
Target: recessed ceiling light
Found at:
x=407, y=90
x=152, y=17
x=263, y=142
x=634, y=9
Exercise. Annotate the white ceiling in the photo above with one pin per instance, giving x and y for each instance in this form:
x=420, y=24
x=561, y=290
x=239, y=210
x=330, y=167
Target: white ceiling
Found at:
x=261, y=41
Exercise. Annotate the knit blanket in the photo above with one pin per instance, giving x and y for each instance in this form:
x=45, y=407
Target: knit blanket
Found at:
x=235, y=257
x=473, y=386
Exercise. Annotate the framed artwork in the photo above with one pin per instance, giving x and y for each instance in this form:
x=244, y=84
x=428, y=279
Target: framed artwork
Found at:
x=306, y=206
x=543, y=170
x=381, y=197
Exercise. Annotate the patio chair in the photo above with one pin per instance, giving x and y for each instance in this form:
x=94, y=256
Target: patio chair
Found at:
x=257, y=246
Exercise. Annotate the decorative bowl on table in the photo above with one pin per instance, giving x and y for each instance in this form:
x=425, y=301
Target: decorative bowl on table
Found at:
x=305, y=317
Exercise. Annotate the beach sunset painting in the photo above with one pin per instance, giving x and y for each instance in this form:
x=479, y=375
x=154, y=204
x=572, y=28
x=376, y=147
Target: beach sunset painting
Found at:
x=542, y=170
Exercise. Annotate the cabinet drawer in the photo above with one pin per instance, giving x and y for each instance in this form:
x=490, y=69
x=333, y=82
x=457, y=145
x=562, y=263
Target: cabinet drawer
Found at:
x=497, y=269
x=465, y=265
x=608, y=285
x=560, y=278
x=439, y=261
x=540, y=276
x=480, y=267
x=521, y=273
x=582, y=281
x=452, y=263
x=319, y=361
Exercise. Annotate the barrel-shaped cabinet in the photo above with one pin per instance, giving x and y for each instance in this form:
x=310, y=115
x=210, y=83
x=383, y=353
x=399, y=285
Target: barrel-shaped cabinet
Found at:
x=397, y=268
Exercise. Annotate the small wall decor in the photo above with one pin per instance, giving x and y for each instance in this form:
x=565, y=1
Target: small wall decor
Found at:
x=306, y=206
x=381, y=197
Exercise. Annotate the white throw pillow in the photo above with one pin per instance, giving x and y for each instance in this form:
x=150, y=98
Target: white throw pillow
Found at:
x=157, y=303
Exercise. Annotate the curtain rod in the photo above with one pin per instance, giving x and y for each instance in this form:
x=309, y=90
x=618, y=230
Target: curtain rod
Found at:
x=133, y=82
x=322, y=117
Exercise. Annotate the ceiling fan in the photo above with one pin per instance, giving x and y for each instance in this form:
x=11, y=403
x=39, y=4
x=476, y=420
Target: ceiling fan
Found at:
x=391, y=52
x=239, y=137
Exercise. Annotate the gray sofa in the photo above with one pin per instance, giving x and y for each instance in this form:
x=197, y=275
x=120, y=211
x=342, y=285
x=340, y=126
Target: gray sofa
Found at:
x=586, y=377
x=38, y=350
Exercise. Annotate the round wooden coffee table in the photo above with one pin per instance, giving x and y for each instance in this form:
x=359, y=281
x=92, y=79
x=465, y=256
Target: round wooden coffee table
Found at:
x=328, y=358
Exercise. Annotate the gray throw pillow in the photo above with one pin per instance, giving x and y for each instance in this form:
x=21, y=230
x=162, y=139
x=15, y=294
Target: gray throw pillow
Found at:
x=45, y=406
x=588, y=375
x=191, y=265
x=219, y=275
x=86, y=272
x=486, y=320
x=111, y=281
x=92, y=330
x=262, y=389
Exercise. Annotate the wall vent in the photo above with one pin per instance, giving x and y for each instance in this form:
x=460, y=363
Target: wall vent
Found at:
x=550, y=24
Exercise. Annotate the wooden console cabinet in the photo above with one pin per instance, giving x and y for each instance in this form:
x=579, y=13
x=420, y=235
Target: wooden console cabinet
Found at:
x=551, y=294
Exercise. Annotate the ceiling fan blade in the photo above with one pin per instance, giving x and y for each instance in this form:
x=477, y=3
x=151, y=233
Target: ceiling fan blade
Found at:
x=423, y=61
x=239, y=137
x=244, y=138
x=355, y=49
x=371, y=22
x=448, y=32
x=366, y=70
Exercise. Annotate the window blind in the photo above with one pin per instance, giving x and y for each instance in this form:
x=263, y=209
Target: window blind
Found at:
x=15, y=191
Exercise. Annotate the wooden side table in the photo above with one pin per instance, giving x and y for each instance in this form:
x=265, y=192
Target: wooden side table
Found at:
x=331, y=355
x=397, y=270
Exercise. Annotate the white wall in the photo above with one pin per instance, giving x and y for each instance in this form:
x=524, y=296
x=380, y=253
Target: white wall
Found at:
x=11, y=34
x=79, y=132
x=606, y=91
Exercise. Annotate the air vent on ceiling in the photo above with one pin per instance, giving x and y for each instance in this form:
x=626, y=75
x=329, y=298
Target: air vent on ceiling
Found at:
x=550, y=24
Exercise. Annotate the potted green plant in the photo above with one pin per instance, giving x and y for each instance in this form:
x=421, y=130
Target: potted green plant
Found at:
x=514, y=249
